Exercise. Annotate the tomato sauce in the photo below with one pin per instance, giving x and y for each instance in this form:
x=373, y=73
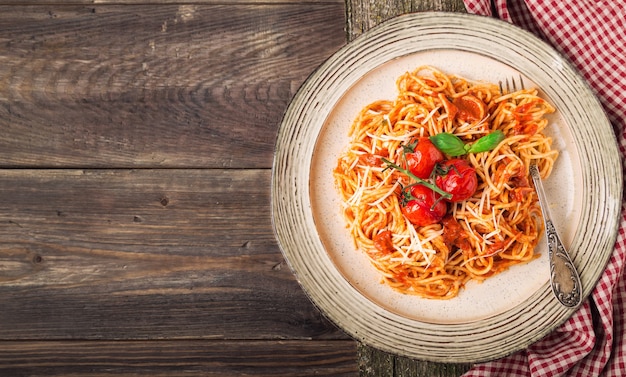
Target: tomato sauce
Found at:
x=470, y=108
x=383, y=243
x=454, y=234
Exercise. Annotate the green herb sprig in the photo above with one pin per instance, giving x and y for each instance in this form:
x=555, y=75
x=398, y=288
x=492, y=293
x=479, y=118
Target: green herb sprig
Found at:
x=452, y=145
x=420, y=181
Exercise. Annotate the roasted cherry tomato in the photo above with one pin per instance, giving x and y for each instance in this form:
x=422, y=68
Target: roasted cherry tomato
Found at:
x=423, y=206
x=458, y=178
x=422, y=157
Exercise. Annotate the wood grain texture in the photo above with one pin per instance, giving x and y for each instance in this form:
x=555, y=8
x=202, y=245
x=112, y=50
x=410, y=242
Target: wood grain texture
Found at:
x=373, y=362
x=178, y=358
x=166, y=2
x=362, y=16
x=138, y=254
x=155, y=86
x=106, y=269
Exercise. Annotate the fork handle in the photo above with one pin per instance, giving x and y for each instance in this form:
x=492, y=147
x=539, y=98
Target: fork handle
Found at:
x=564, y=278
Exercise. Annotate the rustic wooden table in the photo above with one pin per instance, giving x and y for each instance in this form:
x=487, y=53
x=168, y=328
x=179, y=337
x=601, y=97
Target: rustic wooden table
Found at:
x=136, y=141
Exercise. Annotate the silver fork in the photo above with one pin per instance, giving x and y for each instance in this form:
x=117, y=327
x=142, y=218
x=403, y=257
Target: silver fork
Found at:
x=564, y=278
x=563, y=275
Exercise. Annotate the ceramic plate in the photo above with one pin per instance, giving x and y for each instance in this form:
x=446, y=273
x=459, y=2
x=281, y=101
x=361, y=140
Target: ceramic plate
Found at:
x=487, y=320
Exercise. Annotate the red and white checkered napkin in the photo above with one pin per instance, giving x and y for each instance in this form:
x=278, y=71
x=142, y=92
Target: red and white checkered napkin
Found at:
x=592, y=34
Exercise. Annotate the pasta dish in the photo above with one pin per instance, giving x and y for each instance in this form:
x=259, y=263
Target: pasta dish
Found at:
x=435, y=183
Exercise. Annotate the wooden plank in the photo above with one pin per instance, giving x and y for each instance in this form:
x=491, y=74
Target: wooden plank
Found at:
x=362, y=16
x=178, y=358
x=146, y=254
x=166, y=2
x=125, y=86
x=173, y=212
x=373, y=362
x=405, y=367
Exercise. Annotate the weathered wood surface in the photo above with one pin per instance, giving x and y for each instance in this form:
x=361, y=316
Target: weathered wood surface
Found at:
x=364, y=14
x=155, y=85
x=289, y=358
x=134, y=254
x=135, y=153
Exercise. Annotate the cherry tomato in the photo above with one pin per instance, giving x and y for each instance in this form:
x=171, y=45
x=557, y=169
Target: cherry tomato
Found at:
x=424, y=206
x=457, y=178
x=421, y=161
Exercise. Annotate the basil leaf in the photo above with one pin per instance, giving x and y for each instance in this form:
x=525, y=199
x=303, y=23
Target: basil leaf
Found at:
x=487, y=142
x=449, y=144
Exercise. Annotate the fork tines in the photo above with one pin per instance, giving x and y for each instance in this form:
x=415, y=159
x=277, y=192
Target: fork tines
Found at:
x=511, y=86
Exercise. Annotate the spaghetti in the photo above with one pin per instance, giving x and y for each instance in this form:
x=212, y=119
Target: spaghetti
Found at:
x=496, y=227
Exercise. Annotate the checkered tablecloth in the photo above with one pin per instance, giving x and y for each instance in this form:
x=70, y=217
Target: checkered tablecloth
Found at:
x=592, y=35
